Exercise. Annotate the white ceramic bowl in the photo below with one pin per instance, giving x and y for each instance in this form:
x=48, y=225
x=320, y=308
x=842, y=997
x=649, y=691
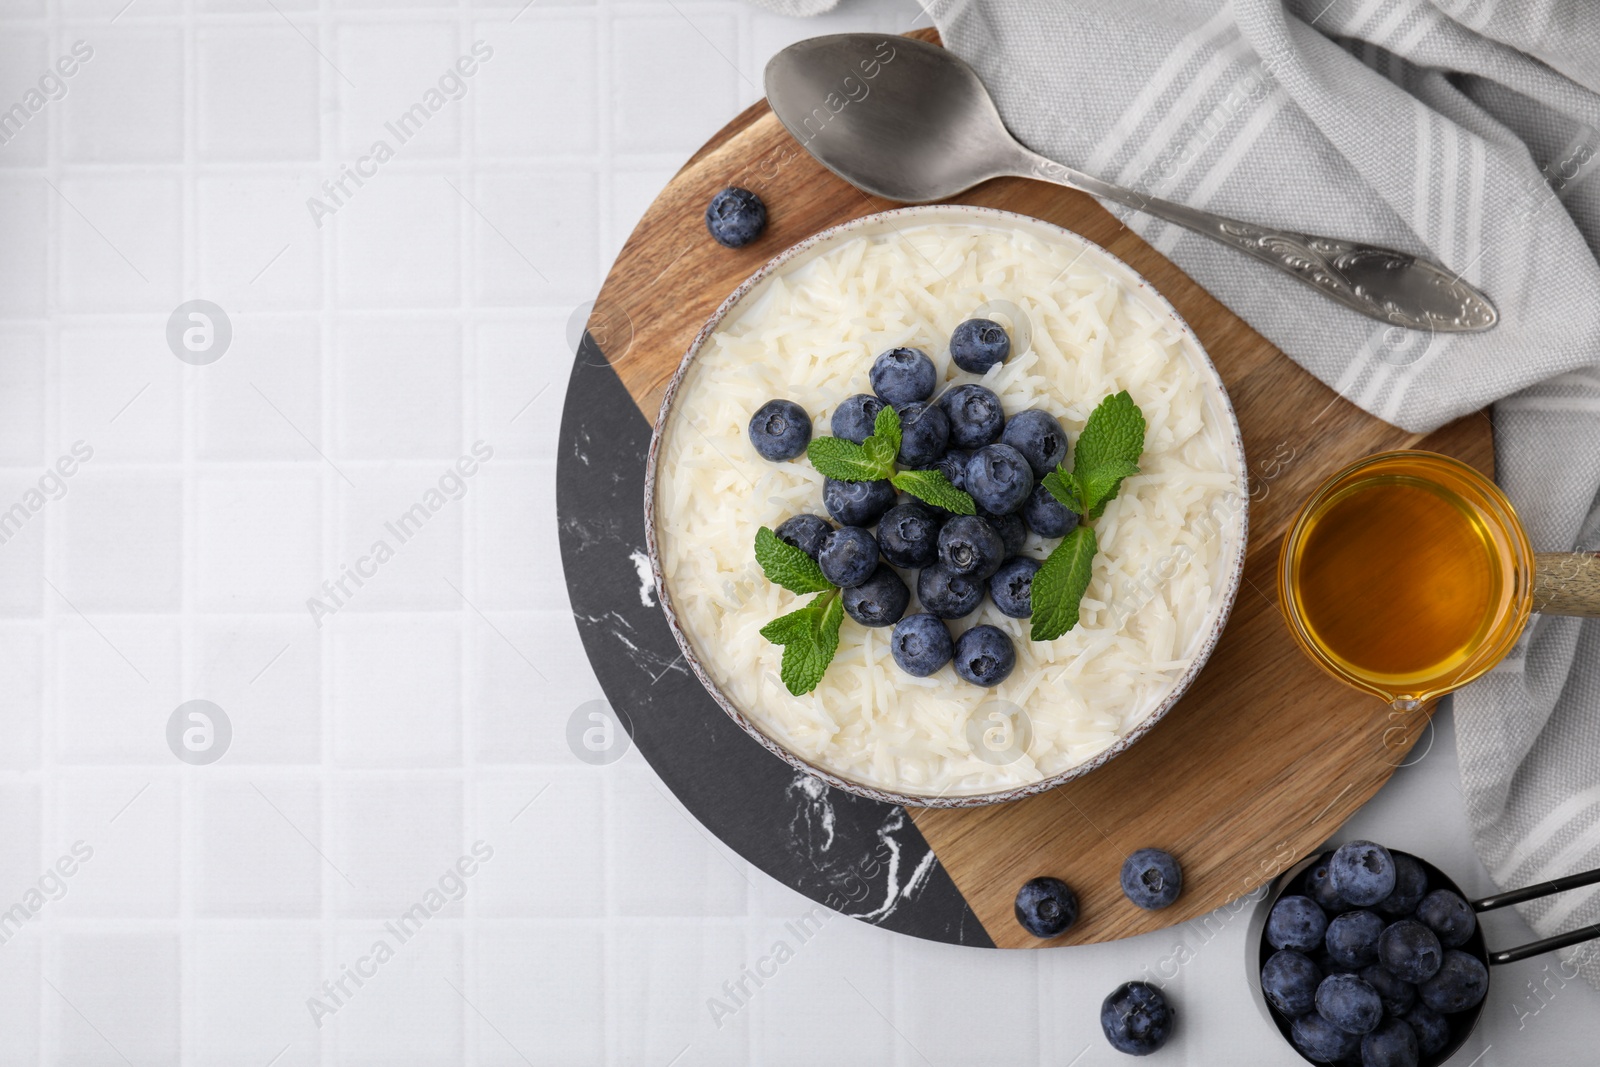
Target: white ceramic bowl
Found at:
x=1232, y=554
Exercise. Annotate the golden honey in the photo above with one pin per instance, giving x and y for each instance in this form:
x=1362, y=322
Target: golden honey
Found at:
x=1406, y=575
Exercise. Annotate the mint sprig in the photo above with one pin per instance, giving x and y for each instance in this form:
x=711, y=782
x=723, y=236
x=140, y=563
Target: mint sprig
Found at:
x=810, y=637
x=933, y=487
x=1108, y=451
x=1059, y=584
x=870, y=461
x=788, y=566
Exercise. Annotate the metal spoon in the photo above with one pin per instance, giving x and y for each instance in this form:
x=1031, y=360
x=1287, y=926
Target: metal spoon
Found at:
x=909, y=121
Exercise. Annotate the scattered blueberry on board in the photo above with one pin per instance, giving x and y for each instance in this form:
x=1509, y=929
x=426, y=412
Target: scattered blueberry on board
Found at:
x=780, y=429
x=1152, y=878
x=1388, y=977
x=1136, y=1018
x=1046, y=907
x=736, y=217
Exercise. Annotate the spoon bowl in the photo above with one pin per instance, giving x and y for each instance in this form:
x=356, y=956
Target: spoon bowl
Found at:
x=909, y=121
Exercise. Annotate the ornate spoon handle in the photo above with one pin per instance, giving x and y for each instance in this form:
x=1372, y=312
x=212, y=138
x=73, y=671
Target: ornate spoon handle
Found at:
x=1381, y=283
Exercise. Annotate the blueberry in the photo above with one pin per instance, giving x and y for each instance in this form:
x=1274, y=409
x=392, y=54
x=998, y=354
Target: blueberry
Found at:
x=1410, y=885
x=1011, y=587
x=1012, y=530
x=978, y=344
x=999, y=479
x=1459, y=984
x=948, y=595
x=1296, y=922
x=848, y=556
x=1040, y=439
x=968, y=546
x=985, y=656
x=880, y=600
x=908, y=535
x=1352, y=938
x=855, y=416
x=1362, y=872
x=1320, y=1040
x=1349, y=1003
x=1047, y=516
x=953, y=465
x=1396, y=993
x=1431, y=1028
x=903, y=375
x=736, y=217
x=780, y=429
x=1319, y=887
x=1328, y=965
x=1410, y=951
x=976, y=417
x=1151, y=878
x=1448, y=916
x=921, y=644
x=857, y=503
x=1392, y=1044
x=924, y=434
x=1289, y=981
x=1046, y=907
x=1136, y=1018
x=804, y=532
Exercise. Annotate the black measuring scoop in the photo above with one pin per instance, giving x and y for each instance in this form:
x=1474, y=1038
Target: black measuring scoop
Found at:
x=1462, y=1023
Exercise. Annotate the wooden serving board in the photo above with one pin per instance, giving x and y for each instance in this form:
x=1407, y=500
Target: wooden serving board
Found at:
x=1265, y=756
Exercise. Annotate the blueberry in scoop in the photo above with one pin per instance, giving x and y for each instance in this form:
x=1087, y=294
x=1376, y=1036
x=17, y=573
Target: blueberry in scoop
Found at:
x=1289, y=981
x=1296, y=922
x=1362, y=872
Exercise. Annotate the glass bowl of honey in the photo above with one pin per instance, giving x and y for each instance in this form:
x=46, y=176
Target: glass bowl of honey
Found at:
x=1407, y=575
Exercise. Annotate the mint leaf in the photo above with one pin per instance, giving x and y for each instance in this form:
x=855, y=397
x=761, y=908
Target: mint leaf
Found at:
x=809, y=638
x=1103, y=484
x=844, y=460
x=1059, y=585
x=933, y=487
x=1064, y=486
x=1108, y=451
x=786, y=565
x=884, y=444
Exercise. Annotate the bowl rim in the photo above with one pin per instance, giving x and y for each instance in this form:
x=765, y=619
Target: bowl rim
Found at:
x=952, y=214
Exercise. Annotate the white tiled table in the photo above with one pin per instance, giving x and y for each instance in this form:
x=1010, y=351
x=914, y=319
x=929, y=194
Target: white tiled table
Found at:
x=369, y=752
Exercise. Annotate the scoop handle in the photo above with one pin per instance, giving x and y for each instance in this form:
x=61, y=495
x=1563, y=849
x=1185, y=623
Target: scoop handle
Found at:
x=1567, y=583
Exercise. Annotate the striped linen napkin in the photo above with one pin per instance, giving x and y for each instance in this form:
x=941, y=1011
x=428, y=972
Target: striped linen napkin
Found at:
x=1467, y=132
